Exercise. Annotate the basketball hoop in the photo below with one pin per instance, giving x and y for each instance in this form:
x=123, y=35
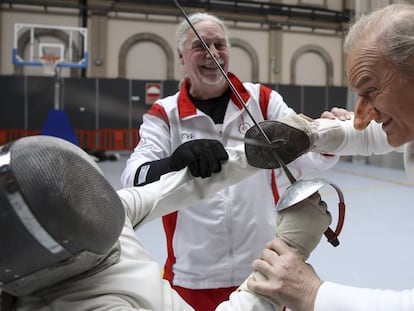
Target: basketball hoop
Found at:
x=49, y=63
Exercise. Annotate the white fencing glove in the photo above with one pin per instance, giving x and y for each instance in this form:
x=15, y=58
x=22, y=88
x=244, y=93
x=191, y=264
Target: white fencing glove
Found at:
x=301, y=226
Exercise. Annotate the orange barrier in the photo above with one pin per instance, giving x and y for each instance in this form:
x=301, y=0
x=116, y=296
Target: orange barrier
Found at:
x=102, y=139
x=8, y=135
x=117, y=139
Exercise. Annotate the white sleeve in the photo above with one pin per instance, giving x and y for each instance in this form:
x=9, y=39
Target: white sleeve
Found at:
x=180, y=189
x=341, y=138
x=245, y=301
x=337, y=297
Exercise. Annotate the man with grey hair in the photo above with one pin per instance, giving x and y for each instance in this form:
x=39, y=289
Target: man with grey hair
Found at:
x=210, y=246
x=379, y=52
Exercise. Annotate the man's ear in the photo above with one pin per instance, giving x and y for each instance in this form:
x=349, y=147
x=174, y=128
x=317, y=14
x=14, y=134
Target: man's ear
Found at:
x=180, y=56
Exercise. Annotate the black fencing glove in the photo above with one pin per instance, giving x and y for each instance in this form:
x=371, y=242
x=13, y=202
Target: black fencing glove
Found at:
x=202, y=157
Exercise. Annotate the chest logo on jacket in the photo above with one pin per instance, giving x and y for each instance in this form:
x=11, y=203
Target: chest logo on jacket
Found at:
x=243, y=127
x=187, y=136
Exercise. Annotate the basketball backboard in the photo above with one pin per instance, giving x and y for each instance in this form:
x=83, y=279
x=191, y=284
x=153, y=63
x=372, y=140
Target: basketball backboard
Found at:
x=49, y=45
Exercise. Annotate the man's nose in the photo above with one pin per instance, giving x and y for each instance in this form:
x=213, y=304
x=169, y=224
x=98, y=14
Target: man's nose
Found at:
x=364, y=114
x=213, y=51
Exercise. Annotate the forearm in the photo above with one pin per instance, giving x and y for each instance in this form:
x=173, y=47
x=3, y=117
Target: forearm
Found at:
x=152, y=171
x=136, y=173
x=180, y=189
x=346, y=298
x=340, y=138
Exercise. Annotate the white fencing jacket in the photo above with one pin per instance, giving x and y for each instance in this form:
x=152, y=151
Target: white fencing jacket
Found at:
x=134, y=282
x=338, y=297
x=212, y=244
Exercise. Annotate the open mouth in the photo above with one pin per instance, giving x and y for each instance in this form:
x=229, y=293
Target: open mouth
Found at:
x=210, y=66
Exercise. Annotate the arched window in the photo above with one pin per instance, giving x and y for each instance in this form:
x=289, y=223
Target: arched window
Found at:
x=314, y=55
x=148, y=40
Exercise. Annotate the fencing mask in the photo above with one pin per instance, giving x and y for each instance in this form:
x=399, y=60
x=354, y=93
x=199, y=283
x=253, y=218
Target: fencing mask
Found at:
x=59, y=216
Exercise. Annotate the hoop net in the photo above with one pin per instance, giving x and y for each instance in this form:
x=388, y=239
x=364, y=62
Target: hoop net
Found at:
x=49, y=63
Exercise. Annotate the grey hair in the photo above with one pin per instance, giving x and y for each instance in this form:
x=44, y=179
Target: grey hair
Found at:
x=390, y=30
x=181, y=32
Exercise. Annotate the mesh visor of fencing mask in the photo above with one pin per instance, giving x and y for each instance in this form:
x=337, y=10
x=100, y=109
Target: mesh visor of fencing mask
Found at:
x=59, y=216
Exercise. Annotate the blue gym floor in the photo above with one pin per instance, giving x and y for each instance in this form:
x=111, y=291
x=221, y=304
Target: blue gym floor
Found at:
x=376, y=244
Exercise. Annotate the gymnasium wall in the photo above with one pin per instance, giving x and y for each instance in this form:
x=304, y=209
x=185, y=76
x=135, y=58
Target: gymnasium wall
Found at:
x=145, y=47
x=95, y=104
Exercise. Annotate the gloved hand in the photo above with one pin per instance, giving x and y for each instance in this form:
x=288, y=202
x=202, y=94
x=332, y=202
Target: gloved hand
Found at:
x=290, y=137
x=202, y=157
x=325, y=135
x=301, y=226
x=285, y=140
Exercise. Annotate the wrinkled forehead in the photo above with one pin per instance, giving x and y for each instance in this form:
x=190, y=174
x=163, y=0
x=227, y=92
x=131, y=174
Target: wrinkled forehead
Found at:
x=362, y=64
x=207, y=29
